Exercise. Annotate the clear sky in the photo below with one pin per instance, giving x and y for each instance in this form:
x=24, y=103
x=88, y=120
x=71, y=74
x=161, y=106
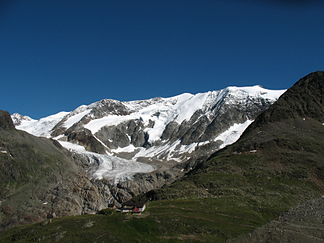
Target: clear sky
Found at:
x=57, y=55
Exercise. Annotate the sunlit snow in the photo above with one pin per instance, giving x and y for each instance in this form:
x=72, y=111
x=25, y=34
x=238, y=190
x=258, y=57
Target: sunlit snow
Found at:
x=232, y=134
x=76, y=118
x=41, y=127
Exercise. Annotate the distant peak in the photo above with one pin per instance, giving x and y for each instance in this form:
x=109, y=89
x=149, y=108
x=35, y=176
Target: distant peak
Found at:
x=252, y=88
x=256, y=91
x=18, y=118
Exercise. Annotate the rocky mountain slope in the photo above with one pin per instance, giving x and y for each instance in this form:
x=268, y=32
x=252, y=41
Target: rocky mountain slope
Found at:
x=39, y=179
x=275, y=165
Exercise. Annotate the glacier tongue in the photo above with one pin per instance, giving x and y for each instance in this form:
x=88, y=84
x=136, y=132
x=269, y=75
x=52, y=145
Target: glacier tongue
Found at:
x=117, y=168
x=104, y=166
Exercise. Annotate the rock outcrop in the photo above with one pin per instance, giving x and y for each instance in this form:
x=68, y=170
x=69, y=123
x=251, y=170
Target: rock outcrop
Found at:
x=5, y=120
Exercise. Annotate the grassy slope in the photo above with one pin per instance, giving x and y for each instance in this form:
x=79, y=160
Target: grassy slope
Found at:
x=31, y=159
x=232, y=193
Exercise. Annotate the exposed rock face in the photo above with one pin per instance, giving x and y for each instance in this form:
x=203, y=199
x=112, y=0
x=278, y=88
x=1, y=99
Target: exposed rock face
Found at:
x=85, y=138
x=5, y=120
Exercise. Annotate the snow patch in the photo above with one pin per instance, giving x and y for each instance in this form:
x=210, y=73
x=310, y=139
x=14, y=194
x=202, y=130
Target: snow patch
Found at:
x=129, y=149
x=256, y=91
x=73, y=147
x=188, y=148
x=75, y=118
x=232, y=134
x=169, y=151
x=95, y=125
x=203, y=143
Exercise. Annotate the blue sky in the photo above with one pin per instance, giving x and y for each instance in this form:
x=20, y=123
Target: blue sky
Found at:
x=57, y=55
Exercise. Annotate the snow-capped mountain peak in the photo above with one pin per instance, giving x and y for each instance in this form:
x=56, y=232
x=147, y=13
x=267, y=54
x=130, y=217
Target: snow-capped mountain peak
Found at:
x=18, y=119
x=41, y=127
x=157, y=129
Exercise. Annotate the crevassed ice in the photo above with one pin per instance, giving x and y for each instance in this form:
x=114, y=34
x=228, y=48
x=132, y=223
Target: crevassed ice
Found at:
x=110, y=167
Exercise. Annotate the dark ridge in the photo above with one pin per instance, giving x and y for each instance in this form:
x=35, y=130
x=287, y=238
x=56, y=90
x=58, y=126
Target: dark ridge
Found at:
x=5, y=120
x=305, y=99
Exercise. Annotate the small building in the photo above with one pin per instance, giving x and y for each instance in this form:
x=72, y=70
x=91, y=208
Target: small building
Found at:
x=125, y=209
x=136, y=210
x=129, y=208
x=139, y=209
x=136, y=205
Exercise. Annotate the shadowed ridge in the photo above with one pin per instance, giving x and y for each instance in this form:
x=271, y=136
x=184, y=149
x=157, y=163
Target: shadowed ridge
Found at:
x=5, y=120
x=304, y=99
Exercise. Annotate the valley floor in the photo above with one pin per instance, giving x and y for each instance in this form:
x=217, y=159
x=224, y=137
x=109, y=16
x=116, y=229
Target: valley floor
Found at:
x=189, y=220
